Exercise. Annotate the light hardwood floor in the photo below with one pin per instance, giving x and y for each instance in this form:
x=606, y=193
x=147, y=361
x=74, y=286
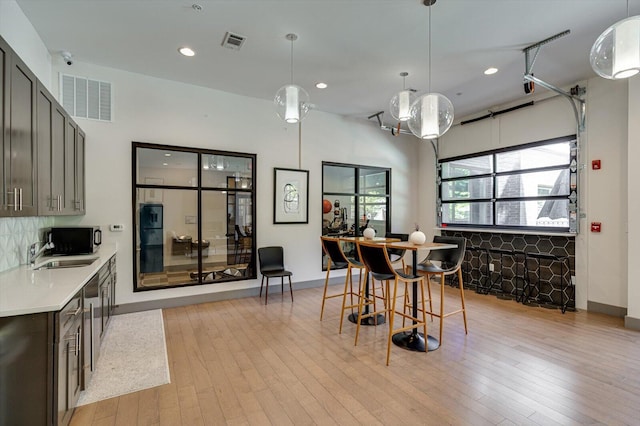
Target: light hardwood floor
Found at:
x=240, y=362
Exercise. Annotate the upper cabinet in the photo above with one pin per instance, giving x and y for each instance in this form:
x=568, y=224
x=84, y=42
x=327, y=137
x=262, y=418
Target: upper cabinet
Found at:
x=19, y=141
x=42, y=166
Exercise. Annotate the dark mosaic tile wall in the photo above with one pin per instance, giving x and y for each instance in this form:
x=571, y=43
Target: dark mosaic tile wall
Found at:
x=532, y=269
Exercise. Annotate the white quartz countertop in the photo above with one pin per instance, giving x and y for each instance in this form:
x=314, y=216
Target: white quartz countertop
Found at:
x=24, y=290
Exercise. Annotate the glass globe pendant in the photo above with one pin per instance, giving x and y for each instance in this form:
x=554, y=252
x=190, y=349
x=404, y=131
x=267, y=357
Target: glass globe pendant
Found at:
x=292, y=101
x=400, y=103
x=431, y=115
x=616, y=53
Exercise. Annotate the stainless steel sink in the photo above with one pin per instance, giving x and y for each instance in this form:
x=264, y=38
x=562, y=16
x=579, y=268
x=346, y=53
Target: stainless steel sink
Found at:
x=66, y=263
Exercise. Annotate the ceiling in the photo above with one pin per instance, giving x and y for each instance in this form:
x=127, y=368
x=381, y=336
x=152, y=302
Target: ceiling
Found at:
x=358, y=47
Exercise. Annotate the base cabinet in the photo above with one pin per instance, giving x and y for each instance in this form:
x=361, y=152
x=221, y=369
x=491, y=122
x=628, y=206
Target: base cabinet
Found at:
x=45, y=359
x=26, y=369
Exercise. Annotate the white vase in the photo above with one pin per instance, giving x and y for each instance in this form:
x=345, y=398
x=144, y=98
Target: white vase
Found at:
x=369, y=233
x=417, y=237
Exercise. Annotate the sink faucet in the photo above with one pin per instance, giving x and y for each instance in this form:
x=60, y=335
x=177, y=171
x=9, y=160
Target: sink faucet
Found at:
x=34, y=253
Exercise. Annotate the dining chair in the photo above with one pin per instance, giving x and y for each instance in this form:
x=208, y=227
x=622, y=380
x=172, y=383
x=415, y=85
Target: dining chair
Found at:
x=396, y=255
x=375, y=258
x=272, y=265
x=336, y=258
x=449, y=262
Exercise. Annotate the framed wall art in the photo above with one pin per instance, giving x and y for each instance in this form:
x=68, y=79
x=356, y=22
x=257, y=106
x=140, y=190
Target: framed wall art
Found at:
x=290, y=196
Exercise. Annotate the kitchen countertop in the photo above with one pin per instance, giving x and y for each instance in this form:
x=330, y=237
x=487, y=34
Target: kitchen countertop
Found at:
x=24, y=290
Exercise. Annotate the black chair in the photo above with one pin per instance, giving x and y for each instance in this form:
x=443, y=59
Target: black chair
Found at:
x=336, y=258
x=376, y=260
x=397, y=255
x=272, y=265
x=449, y=262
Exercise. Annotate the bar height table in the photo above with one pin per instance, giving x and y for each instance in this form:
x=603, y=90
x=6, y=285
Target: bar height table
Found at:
x=414, y=341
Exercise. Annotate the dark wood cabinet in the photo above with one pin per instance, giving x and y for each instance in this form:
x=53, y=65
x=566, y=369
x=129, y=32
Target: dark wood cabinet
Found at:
x=69, y=358
x=44, y=356
x=42, y=167
x=27, y=369
x=52, y=127
x=19, y=144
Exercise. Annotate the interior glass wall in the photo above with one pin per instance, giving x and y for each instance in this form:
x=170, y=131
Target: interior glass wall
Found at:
x=354, y=198
x=193, y=216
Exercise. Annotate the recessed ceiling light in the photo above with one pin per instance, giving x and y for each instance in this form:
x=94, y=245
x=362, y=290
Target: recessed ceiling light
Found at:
x=490, y=71
x=167, y=154
x=165, y=164
x=321, y=85
x=186, y=51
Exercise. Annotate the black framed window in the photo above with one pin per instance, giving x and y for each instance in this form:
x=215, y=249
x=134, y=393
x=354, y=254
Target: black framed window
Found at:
x=193, y=213
x=528, y=187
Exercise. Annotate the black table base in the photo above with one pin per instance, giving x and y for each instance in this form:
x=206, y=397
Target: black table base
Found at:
x=414, y=341
x=377, y=320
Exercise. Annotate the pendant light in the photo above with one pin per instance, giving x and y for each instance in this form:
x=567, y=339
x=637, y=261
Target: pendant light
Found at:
x=400, y=104
x=292, y=101
x=431, y=115
x=616, y=53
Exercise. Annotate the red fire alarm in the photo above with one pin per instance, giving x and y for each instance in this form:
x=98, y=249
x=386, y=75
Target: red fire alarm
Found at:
x=596, y=226
x=595, y=164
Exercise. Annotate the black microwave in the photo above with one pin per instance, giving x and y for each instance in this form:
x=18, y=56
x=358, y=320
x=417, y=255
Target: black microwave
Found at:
x=75, y=240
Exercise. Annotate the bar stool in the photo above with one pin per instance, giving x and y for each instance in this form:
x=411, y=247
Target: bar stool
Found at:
x=450, y=263
x=339, y=260
x=376, y=259
x=481, y=287
x=532, y=292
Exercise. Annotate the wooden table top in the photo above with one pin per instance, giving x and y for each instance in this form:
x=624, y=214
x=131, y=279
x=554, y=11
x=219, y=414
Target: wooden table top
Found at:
x=372, y=240
x=410, y=246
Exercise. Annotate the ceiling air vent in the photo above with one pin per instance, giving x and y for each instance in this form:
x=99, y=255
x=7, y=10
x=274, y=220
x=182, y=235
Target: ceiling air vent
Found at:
x=86, y=98
x=233, y=41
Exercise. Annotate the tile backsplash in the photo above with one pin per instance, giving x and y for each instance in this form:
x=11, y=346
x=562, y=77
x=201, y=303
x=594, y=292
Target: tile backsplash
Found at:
x=16, y=234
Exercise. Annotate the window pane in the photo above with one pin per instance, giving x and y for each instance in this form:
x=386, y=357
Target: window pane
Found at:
x=467, y=167
x=227, y=226
x=472, y=213
x=373, y=181
x=553, y=182
x=554, y=213
x=166, y=167
x=539, y=156
x=166, y=238
x=467, y=188
x=373, y=211
x=216, y=169
x=339, y=179
x=341, y=218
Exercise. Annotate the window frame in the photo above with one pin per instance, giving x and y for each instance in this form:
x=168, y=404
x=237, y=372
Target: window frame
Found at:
x=494, y=199
x=200, y=188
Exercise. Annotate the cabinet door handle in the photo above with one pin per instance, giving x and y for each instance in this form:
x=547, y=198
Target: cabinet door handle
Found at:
x=15, y=199
x=20, y=199
x=76, y=312
x=59, y=202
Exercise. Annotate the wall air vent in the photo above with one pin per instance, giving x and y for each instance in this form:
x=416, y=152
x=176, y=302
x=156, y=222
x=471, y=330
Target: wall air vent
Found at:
x=233, y=41
x=86, y=98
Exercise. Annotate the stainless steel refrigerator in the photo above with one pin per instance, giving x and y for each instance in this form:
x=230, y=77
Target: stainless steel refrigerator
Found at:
x=151, y=238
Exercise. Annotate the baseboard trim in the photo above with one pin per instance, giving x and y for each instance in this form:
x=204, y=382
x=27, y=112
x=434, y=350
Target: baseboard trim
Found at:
x=632, y=323
x=174, y=302
x=602, y=308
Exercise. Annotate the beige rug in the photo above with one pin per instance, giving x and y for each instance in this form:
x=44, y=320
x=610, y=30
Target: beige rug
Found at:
x=133, y=356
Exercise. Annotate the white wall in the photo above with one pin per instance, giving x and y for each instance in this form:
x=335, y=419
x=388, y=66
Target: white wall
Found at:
x=601, y=260
x=160, y=111
x=16, y=29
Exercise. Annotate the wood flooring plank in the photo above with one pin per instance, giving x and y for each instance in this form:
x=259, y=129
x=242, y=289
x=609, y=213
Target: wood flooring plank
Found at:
x=240, y=362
